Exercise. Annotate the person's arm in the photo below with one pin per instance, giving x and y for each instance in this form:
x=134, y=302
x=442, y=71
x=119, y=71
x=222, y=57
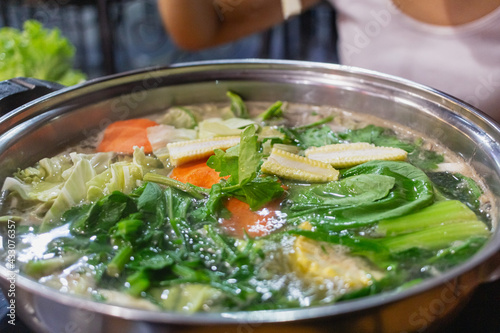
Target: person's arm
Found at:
x=197, y=24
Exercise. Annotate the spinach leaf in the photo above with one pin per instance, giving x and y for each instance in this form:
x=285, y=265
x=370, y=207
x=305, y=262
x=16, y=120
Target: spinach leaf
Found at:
x=178, y=204
x=128, y=229
x=457, y=186
x=379, y=136
x=412, y=190
x=376, y=135
x=345, y=192
x=148, y=200
x=457, y=253
x=101, y=216
x=239, y=162
x=425, y=159
x=310, y=137
x=147, y=259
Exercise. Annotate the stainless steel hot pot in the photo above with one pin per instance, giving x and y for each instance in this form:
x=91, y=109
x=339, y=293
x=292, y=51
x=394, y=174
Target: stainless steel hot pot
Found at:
x=40, y=127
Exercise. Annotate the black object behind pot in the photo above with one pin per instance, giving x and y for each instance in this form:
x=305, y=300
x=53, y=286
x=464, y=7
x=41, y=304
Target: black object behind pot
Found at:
x=21, y=90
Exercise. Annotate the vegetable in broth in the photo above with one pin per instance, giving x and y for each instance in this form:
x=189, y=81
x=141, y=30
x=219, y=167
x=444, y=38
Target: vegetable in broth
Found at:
x=243, y=210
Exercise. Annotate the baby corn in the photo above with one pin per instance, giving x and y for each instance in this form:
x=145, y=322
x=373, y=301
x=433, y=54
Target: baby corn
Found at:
x=345, y=155
x=292, y=166
x=323, y=262
x=185, y=151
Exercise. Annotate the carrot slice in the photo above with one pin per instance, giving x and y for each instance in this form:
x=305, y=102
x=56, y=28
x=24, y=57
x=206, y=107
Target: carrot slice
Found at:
x=243, y=220
x=197, y=173
x=255, y=223
x=121, y=136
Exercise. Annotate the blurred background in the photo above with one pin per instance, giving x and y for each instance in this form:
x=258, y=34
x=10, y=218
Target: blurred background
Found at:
x=113, y=36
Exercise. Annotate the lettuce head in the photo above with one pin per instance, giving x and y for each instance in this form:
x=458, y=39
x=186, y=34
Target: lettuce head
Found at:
x=38, y=53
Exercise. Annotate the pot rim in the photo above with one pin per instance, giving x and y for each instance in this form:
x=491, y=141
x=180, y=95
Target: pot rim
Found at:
x=489, y=250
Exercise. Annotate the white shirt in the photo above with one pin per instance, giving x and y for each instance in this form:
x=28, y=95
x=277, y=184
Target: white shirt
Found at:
x=463, y=60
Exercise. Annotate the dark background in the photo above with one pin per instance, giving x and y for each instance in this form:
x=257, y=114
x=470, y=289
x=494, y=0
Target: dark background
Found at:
x=113, y=36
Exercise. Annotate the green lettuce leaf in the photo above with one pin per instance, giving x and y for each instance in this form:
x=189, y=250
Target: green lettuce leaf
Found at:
x=39, y=53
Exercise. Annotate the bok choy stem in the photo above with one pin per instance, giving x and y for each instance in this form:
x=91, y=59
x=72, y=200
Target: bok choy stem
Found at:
x=439, y=213
x=437, y=236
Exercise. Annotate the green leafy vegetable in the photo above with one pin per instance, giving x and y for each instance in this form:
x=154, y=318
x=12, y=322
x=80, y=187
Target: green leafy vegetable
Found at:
x=457, y=186
x=170, y=243
x=379, y=136
x=100, y=216
x=349, y=191
x=412, y=190
x=442, y=212
x=311, y=137
x=376, y=135
x=238, y=107
x=258, y=192
x=249, y=157
x=437, y=237
x=242, y=163
x=39, y=53
x=118, y=262
x=195, y=191
x=274, y=111
x=425, y=159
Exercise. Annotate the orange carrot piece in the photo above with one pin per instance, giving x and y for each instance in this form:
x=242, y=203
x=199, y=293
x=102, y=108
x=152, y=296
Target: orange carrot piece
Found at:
x=255, y=223
x=243, y=220
x=121, y=136
x=197, y=173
